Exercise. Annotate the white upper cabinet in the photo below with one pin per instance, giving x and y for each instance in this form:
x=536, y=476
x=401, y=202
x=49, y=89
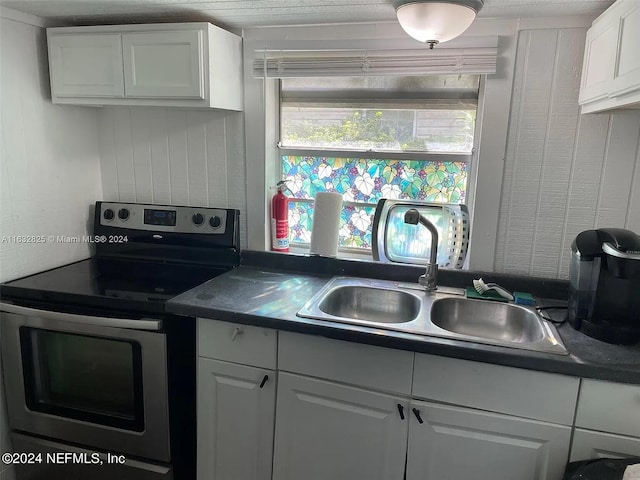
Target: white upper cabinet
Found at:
x=611, y=68
x=163, y=64
x=626, y=76
x=194, y=65
x=86, y=65
x=598, y=61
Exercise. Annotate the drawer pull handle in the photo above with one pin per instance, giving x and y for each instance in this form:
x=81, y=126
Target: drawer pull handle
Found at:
x=236, y=331
x=401, y=411
x=416, y=412
x=264, y=380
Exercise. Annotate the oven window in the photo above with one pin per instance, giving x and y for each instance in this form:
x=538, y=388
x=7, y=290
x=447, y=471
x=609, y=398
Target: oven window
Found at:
x=95, y=379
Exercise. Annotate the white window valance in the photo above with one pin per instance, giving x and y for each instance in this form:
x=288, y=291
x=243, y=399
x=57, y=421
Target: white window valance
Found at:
x=336, y=63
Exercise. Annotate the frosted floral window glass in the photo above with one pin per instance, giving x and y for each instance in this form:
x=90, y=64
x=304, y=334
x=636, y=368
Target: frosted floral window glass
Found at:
x=362, y=182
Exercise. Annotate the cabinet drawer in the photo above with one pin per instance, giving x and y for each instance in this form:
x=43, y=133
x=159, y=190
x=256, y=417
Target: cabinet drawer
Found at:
x=378, y=368
x=237, y=343
x=609, y=407
x=591, y=445
x=524, y=393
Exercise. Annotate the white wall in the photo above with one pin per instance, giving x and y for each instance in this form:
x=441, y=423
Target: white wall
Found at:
x=49, y=165
x=171, y=156
x=564, y=172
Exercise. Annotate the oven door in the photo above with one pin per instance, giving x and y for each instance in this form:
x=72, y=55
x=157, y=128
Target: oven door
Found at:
x=96, y=381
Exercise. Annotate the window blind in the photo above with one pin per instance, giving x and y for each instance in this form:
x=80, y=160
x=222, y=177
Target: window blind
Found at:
x=337, y=63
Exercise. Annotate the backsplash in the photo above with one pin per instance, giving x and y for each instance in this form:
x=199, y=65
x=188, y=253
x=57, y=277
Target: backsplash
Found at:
x=564, y=172
x=178, y=157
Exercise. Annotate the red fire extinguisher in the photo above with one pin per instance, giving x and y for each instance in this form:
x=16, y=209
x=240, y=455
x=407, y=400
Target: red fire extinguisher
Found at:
x=280, y=219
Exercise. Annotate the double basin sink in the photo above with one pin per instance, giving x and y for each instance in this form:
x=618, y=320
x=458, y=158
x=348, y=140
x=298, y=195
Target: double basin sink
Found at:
x=446, y=313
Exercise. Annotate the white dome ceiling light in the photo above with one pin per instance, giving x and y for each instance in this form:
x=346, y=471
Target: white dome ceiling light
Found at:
x=436, y=21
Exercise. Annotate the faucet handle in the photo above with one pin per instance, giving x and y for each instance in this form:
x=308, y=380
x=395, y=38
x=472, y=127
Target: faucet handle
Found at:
x=429, y=279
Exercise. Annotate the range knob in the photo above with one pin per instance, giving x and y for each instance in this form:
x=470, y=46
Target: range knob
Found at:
x=197, y=218
x=123, y=214
x=215, y=221
x=108, y=214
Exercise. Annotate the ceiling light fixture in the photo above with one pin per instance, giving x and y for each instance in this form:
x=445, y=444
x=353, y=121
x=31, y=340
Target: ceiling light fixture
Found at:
x=436, y=21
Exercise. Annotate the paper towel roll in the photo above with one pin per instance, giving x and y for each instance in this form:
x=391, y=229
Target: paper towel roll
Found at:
x=326, y=223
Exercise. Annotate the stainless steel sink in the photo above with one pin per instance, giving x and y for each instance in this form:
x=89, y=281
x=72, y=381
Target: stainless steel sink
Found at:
x=371, y=304
x=405, y=307
x=493, y=320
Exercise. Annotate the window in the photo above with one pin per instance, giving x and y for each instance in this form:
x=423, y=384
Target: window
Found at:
x=374, y=137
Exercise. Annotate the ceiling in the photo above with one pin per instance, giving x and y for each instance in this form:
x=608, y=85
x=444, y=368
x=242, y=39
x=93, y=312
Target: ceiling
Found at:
x=252, y=13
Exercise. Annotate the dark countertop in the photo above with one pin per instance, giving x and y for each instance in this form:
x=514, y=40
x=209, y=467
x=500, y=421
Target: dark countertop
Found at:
x=270, y=297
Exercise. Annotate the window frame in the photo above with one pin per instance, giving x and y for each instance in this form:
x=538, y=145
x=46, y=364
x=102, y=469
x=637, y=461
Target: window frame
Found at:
x=338, y=99
x=487, y=171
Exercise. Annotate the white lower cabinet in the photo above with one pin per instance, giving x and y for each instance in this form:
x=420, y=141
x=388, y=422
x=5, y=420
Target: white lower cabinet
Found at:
x=347, y=411
x=589, y=445
x=327, y=431
x=456, y=443
x=236, y=408
x=607, y=421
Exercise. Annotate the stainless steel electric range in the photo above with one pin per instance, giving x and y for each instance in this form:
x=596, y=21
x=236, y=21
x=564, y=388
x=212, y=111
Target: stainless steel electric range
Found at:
x=96, y=373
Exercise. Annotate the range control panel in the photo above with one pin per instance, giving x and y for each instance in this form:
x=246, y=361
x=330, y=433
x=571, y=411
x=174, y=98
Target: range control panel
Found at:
x=163, y=218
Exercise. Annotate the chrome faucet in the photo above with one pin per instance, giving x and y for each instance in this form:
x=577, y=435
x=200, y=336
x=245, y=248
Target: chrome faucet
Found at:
x=430, y=279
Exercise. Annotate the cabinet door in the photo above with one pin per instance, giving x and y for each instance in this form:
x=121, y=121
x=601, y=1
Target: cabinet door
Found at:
x=599, y=59
x=627, y=61
x=588, y=445
x=456, y=443
x=86, y=65
x=326, y=431
x=236, y=410
x=164, y=64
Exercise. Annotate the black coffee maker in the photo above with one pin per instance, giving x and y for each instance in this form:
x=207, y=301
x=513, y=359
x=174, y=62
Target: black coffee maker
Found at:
x=604, y=285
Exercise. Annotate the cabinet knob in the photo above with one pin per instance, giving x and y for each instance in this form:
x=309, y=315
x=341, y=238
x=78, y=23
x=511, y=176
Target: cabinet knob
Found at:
x=416, y=412
x=264, y=380
x=236, y=331
x=401, y=411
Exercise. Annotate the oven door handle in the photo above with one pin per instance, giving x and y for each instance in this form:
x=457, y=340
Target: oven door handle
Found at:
x=131, y=324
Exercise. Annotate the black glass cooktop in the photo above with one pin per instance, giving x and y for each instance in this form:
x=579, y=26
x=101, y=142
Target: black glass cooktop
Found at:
x=116, y=284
